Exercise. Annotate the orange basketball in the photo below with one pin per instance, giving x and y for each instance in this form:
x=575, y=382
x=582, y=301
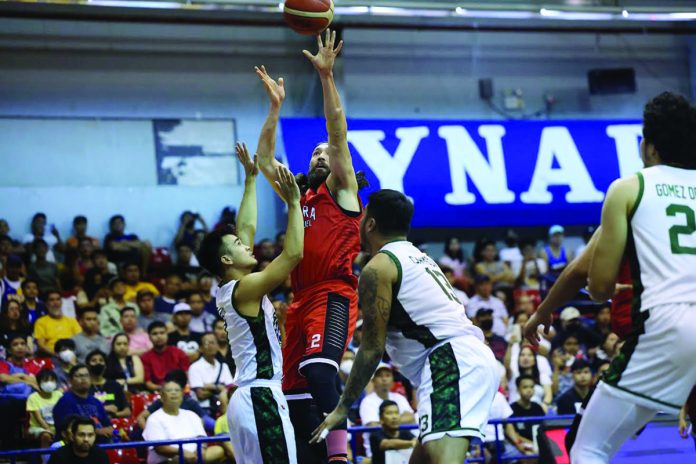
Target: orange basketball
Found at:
x=308, y=17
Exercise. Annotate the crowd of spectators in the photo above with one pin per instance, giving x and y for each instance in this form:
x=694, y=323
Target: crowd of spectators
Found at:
x=122, y=333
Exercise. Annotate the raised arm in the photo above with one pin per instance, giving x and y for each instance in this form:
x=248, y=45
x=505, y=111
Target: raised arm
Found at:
x=611, y=242
x=267, y=140
x=341, y=181
x=247, y=215
x=254, y=286
x=375, y=296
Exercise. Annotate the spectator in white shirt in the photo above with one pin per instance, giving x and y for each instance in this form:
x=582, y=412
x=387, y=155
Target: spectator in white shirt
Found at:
x=173, y=423
x=484, y=299
x=208, y=377
x=453, y=257
x=38, y=230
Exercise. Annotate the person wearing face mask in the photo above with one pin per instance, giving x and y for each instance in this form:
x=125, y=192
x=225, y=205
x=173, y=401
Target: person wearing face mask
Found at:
x=64, y=360
x=484, y=321
x=40, y=408
x=109, y=392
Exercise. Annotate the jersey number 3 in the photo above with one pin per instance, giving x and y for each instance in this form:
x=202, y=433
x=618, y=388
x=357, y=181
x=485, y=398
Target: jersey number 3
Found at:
x=677, y=230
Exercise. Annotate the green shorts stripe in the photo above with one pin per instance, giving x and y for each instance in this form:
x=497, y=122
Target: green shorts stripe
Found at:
x=446, y=409
x=269, y=426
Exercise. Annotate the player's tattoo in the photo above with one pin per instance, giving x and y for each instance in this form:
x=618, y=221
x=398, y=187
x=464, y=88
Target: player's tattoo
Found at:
x=376, y=311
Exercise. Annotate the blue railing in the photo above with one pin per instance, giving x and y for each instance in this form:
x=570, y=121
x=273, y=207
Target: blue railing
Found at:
x=199, y=441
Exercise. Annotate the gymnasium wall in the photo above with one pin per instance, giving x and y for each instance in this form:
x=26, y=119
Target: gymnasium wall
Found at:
x=85, y=71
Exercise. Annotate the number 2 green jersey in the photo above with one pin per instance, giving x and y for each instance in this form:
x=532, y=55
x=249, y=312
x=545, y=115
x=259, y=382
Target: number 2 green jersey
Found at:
x=661, y=242
x=424, y=312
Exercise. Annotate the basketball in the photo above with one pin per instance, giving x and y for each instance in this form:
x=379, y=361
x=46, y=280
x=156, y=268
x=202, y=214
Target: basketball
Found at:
x=308, y=17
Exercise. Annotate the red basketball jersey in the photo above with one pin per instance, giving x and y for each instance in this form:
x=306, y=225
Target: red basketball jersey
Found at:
x=331, y=241
x=621, y=303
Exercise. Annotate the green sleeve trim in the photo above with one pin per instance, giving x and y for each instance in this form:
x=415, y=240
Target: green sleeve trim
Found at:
x=397, y=263
x=641, y=188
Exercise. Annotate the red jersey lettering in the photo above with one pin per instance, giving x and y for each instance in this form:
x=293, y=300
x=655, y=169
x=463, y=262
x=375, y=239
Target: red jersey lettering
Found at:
x=331, y=241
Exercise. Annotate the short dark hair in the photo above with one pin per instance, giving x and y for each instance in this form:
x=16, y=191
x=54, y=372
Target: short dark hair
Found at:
x=78, y=219
x=391, y=210
x=98, y=252
x=75, y=368
x=39, y=241
x=127, y=308
x=385, y=404
x=45, y=374
x=521, y=377
x=64, y=343
x=28, y=281
x=14, y=336
x=37, y=216
x=156, y=325
x=128, y=264
x=81, y=420
x=211, y=247
x=579, y=364
x=85, y=310
x=669, y=123
x=94, y=353
x=177, y=376
x=50, y=292
x=115, y=217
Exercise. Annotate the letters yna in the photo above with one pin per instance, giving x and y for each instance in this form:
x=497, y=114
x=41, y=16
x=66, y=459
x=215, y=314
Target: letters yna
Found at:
x=486, y=173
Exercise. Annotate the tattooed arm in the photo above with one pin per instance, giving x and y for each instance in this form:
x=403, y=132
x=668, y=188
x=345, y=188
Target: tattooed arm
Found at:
x=375, y=293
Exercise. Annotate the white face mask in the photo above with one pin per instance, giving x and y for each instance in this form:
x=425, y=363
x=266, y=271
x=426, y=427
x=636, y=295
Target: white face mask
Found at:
x=346, y=366
x=48, y=387
x=67, y=356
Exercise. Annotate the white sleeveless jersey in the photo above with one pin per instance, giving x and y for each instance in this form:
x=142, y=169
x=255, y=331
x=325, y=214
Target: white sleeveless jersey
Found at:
x=661, y=242
x=425, y=310
x=254, y=341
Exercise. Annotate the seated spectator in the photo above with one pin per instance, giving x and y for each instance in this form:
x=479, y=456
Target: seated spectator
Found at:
x=89, y=339
x=40, y=408
x=131, y=276
x=122, y=248
x=189, y=403
x=205, y=285
x=532, y=268
x=109, y=392
x=571, y=400
x=525, y=407
x=571, y=323
x=224, y=353
x=602, y=322
x=222, y=427
x=201, y=321
x=64, y=360
x=124, y=368
x=454, y=257
x=390, y=437
x=80, y=233
x=78, y=401
x=81, y=449
x=562, y=360
x=170, y=292
x=484, y=321
x=172, y=423
x=609, y=349
x=13, y=322
x=145, y=300
x=555, y=254
x=511, y=253
x=54, y=326
x=484, y=299
x=530, y=363
x=31, y=305
x=186, y=233
x=14, y=245
x=41, y=270
x=110, y=313
x=186, y=265
x=79, y=260
x=139, y=341
x=162, y=357
x=99, y=275
x=265, y=250
x=11, y=284
x=209, y=378
x=38, y=231
x=183, y=337
x=489, y=265
x=507, y=435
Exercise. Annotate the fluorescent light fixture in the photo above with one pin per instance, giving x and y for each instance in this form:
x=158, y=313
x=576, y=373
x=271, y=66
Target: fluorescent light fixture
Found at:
x=138, y=4
x=352, y=10
x=624, y=13
x=281, y=5
x=460, y=11
x=683, y=16
x=548, y=13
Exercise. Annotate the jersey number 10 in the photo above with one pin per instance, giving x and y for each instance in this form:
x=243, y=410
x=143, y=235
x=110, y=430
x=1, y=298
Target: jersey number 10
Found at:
x=443, y=283
x=676, y=231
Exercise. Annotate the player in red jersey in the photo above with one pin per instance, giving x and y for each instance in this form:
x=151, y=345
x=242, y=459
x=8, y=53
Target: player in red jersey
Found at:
x=569, y=283
x=321, y=320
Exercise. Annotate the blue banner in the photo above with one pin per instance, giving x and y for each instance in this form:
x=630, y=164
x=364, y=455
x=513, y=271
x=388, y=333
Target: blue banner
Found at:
x=485, y=173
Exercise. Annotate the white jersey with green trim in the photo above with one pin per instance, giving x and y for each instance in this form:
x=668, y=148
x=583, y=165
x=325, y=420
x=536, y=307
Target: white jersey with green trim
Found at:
x=425, y=310
x=662, y=237
x=254, y=341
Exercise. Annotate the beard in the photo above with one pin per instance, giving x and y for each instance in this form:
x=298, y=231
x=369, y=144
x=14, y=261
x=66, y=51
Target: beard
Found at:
x=316, y=179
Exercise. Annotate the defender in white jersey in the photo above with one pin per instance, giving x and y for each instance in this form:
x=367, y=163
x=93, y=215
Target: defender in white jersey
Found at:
x=258, y=416
x=409, y=306
x=651, y=217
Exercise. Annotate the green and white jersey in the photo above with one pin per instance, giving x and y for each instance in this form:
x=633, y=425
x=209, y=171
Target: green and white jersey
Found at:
x=661, y=242
x=254, y=341
x=425, y=310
